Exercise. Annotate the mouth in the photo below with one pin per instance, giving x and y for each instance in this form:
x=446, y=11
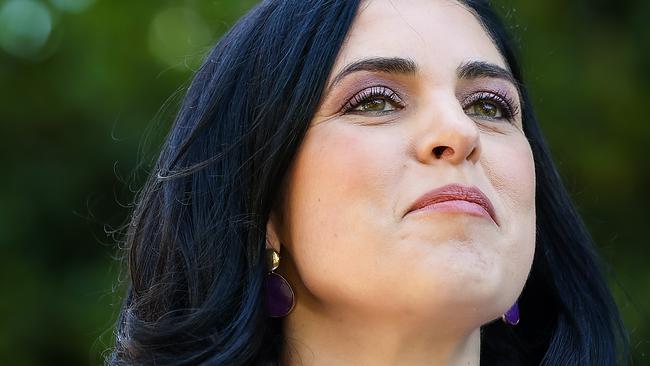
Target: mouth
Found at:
x=455, y=198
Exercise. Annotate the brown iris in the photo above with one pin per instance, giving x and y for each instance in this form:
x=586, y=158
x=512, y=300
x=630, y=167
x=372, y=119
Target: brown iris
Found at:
x=375, y=105
x=484, y=109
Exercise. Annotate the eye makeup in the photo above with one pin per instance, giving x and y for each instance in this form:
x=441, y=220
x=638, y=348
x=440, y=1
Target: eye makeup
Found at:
x=363, y=87
x=501, y=99
x=493, y=92
x=373, y=93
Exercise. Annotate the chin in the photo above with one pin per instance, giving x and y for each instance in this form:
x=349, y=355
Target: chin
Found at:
x=469, y=290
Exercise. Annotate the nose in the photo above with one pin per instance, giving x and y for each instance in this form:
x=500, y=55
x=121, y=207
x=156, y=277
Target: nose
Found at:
x=446, y=133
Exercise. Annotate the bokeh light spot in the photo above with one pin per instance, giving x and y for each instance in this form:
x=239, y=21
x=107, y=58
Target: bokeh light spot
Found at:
x=25, y=26
x=177, y=36
x=73, y=6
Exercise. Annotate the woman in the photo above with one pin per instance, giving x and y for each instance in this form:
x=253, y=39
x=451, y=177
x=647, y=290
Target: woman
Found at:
x=386, y=157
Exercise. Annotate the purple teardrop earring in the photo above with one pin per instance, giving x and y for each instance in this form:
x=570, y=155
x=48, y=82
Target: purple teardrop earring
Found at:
x=512, y=315
x=279, y=294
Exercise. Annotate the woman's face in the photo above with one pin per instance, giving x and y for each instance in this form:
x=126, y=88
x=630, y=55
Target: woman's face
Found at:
x=419, y=98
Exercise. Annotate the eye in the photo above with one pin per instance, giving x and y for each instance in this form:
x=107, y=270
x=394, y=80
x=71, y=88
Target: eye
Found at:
x=374, y=105
x=374, y=100
x=491, y=106
x=485, y=109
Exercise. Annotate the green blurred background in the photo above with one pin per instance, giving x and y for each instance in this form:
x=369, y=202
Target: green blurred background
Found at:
x=89, y=87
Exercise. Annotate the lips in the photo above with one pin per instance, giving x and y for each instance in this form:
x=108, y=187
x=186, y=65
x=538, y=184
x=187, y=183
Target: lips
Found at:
x=454, y=192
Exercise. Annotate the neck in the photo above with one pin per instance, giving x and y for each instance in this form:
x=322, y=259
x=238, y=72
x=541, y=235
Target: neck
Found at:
x=314, y=339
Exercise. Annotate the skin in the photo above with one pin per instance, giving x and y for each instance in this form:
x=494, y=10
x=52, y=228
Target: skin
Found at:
x=374, y=286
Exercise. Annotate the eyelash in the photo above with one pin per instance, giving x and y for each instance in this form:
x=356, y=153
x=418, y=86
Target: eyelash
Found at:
x=506, y=103
x=370, y=94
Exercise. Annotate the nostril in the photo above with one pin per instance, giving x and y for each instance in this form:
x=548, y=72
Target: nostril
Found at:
x=438, y=151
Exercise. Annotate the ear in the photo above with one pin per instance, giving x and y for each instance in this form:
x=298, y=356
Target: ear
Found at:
x=272, y=230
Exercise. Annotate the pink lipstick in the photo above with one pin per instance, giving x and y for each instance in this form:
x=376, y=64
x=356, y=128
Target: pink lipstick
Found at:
x=455, y=198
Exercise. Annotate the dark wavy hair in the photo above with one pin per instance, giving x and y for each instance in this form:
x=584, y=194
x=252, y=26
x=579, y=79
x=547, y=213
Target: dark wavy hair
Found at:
x=196, y=238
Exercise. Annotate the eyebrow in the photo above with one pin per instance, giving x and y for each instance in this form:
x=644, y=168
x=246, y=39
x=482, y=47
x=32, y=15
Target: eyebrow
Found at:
x=391, y=65
x=478, y=69
x=405, y=66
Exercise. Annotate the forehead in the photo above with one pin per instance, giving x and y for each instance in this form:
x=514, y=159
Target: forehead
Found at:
x=437, y=34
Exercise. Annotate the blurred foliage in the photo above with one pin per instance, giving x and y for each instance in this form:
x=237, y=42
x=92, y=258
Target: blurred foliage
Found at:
x=83, y=80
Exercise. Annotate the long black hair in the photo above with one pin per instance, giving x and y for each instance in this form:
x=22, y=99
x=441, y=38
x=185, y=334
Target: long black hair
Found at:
x=196, y=238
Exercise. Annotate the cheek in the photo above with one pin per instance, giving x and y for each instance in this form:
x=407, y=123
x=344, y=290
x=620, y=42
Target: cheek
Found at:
x=340, y=174
x=339, y=169
x=511, y=170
